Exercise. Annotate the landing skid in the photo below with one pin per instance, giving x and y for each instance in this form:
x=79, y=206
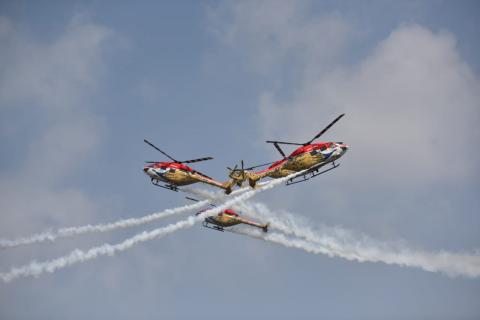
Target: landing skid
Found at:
x=213, y=227
x=311, y=174
x=166, y=186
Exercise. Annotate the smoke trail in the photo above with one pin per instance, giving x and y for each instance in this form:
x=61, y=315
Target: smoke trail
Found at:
x=337, y=242
x=125, y=223
x=73, y=231
x=37, y=268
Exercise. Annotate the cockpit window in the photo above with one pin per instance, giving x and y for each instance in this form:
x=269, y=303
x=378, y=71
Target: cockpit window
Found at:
x=163, y=168
x=323, y=148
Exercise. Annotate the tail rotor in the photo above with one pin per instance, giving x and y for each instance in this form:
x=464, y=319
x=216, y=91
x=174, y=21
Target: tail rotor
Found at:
x=242, y=174
x=238, y=175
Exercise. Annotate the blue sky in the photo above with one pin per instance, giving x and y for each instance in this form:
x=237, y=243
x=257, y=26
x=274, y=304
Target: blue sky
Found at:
x=83, y=83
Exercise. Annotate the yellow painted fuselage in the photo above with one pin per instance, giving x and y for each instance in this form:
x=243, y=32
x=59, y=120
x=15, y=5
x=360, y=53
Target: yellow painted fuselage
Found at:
x=229, y=218
x=178, y=174
x=303, y=158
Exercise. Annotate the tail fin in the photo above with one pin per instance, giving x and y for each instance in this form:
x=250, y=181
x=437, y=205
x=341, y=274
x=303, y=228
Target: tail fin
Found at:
x=228, y=186
x=265, y=227
x=252, y=179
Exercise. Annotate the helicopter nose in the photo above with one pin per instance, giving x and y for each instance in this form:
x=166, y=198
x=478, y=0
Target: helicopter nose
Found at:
x=145, y=169
x=344, y=147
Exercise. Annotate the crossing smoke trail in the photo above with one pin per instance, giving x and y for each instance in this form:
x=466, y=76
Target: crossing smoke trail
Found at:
x=37, y=268
x=125, y=223
x=343, y=243
x=337, y=242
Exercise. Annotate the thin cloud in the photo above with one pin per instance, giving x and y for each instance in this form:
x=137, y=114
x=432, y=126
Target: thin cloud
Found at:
x=407, y=103
x=56, y=79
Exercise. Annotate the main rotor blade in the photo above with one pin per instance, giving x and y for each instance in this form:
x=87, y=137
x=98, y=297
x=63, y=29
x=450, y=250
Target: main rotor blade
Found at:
x=279, y=150
x=249, y=168
x=326, y=128
x=197, y=160
x=282, y=142
x=155, y=147
x=234, y=168
x=260, y=165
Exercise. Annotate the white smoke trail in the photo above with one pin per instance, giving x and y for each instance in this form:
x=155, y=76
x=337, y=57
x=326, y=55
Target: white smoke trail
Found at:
x=37, y=268
x=337, y=242
x=52, y=236
x=74, y=231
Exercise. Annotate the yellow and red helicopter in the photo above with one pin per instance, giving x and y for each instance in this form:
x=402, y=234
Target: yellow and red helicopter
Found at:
x=228, y=218
x=309, y=156
x=171, y=175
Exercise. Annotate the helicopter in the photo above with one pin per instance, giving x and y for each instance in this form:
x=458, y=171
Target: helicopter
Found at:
x=309, y=156
x=171, y=175
x=227, y=218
